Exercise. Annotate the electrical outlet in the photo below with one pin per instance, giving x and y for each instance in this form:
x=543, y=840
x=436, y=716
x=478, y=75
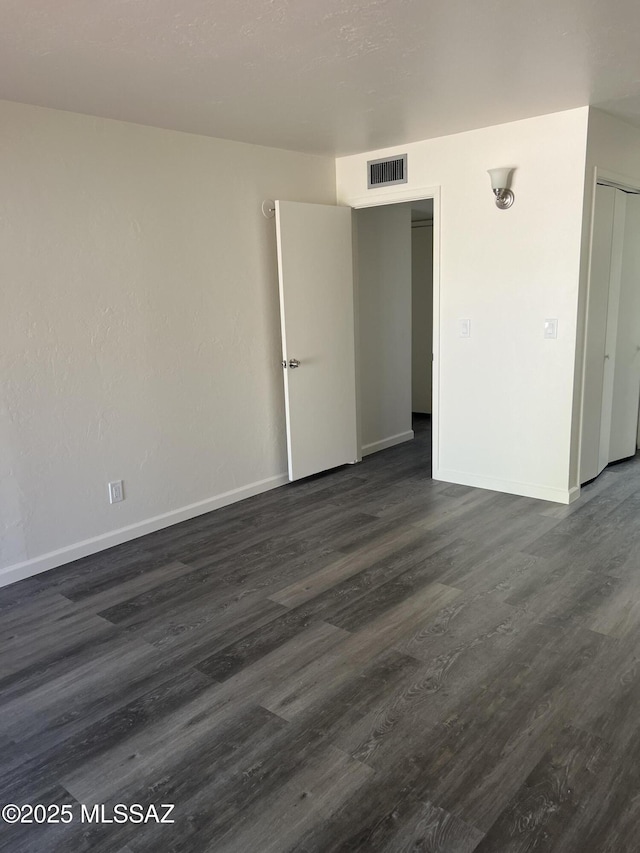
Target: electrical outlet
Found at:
x=116, y=492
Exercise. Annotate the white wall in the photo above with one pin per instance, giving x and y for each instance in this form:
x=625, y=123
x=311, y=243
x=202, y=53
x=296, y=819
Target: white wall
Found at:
x=505, y=399
x=421, y=316
x=139, y=332
x=383, y=306
x=613, y=152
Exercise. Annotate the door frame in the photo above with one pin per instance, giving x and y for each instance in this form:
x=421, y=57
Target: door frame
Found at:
x=400, y=196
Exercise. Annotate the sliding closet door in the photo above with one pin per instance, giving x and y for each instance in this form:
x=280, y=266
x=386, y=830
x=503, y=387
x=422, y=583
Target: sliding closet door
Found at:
x=596, y=332
x=611, y=337
x=612, y=345
x=626, y=383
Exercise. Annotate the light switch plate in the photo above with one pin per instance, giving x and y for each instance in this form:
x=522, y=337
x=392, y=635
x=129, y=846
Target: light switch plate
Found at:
x=550, y=329
x=465, y=328
x=116, y=492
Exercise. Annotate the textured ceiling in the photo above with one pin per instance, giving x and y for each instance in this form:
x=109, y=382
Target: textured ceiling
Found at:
x=326, y=76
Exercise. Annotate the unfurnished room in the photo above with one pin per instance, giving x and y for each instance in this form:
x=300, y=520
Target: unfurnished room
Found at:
x=319, y=426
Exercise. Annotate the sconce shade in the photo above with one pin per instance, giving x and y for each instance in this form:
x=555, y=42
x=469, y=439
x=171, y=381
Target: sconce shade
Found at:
x=500, y=186
x=500, y=178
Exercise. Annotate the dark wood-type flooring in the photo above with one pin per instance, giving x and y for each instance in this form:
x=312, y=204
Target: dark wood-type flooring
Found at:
x=365, y=661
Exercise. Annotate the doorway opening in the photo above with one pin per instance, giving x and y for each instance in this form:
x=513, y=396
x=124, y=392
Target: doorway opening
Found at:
x=395, y=299
x=346, y=308
x=421, y=317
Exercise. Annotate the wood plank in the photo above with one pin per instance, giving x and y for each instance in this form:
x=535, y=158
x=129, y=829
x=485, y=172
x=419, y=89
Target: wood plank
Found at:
x=343, y=567
x=342, y=595
x=50, y=758
x=545, y=814
x=433, y=829
x=473, y=760
x=370, y=821
x=279, y=821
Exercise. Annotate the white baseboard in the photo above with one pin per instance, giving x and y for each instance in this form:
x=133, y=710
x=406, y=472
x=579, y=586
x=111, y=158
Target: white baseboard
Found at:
x=387, y=442
x=27, y=568
x=574, y=494
x=510, y=487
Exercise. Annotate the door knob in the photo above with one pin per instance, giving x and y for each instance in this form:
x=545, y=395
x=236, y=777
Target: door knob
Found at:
x=293, y=362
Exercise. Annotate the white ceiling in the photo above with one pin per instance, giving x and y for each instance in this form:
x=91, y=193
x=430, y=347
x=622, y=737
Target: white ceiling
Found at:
x=326, y=76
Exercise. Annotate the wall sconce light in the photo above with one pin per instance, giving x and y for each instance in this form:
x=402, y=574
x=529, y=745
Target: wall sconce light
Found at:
x=500, y=186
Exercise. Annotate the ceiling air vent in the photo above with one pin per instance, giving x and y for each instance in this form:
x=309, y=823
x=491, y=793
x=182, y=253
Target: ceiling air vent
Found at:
x=389, y=170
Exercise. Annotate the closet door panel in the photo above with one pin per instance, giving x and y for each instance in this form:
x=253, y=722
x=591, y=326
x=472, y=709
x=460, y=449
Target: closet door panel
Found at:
x=626, y=383
x=596, y=331
x=611, y=336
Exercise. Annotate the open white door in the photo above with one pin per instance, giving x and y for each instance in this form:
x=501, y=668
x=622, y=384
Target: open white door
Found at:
x=315, y=266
